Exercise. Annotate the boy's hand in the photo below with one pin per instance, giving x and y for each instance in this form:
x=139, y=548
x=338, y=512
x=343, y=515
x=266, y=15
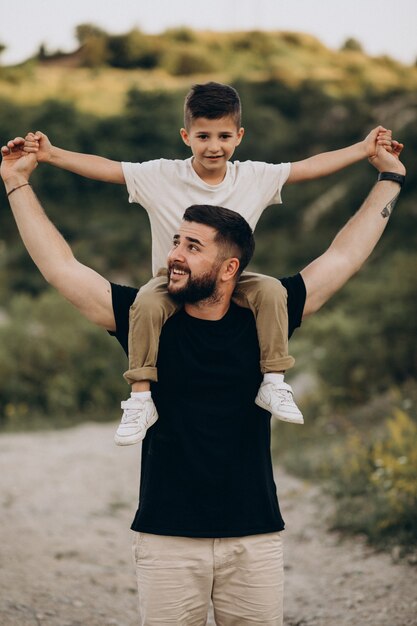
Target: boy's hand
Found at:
x=379, y=136
x=39, y=144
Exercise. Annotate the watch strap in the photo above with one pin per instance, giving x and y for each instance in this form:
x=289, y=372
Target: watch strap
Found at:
x=396, y=178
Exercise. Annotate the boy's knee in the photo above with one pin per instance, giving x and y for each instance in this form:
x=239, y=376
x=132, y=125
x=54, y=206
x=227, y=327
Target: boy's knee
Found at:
x=268, y=283
x=269, y=289
x=148, y=300
x=152, y=304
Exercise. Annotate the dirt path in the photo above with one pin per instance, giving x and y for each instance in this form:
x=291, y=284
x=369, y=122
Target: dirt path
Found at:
x=66, y=502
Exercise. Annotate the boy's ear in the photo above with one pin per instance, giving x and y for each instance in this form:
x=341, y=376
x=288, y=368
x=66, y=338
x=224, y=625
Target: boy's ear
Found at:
x=240, y=134
x=185, y=136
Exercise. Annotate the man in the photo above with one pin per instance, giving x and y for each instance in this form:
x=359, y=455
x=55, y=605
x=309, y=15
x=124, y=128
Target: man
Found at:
x=208, y=523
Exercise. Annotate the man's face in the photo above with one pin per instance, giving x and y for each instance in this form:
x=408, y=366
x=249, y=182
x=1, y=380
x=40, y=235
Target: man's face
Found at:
x=193, y=264
x=212, y=143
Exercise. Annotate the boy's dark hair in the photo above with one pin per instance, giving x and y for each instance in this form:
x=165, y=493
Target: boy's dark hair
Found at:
x=234, y=235
x=213, y=101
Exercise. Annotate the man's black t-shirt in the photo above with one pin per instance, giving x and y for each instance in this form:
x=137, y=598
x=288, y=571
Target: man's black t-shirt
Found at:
x=206, y=463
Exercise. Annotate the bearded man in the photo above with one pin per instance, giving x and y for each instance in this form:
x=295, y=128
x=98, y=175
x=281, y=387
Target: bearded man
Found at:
x=208, y=525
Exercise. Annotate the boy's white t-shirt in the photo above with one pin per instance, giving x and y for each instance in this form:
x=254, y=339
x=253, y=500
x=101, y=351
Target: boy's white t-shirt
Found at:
x=165, y=188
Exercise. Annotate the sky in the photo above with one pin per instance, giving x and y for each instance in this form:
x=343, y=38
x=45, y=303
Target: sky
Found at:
x=381, y=26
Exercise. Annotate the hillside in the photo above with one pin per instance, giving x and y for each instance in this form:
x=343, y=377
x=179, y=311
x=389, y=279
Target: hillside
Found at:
x=98, y=75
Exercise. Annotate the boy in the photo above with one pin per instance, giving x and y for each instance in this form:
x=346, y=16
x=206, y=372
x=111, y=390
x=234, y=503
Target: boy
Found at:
x=212, y=129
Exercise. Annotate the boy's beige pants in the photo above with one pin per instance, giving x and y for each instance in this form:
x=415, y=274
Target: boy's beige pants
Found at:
x=263, y=295
x=177, y=577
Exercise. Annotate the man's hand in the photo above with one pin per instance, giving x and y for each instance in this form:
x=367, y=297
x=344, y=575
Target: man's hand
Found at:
x=378, y=137
x=16, y=165
x=388, y=161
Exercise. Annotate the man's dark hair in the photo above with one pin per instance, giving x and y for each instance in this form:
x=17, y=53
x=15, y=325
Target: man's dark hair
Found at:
x=234, y=235
x=213, y=101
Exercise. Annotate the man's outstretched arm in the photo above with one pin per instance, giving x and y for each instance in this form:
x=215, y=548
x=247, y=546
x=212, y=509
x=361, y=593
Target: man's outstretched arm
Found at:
x=83, y=287
x=357, y=239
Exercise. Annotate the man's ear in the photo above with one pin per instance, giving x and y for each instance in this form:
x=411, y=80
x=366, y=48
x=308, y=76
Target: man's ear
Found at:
x=229, y=269
x=185, y=137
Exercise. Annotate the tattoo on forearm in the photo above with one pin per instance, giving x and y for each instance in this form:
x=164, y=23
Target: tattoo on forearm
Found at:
x=388, y=209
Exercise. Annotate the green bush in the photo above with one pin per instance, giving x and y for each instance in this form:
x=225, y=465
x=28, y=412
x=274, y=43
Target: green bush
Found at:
x=376, y=483
x=56, y=365
x=185, y=61
x=134, y=50
x=363, y=354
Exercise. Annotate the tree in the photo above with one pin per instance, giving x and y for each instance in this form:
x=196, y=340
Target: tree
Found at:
x=352, y=44
x=83, y=32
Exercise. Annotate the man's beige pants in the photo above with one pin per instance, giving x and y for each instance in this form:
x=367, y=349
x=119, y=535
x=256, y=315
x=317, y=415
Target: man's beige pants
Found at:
x=178, y=576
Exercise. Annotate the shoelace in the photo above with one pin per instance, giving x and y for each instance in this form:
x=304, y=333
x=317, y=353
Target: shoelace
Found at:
x=285, y=394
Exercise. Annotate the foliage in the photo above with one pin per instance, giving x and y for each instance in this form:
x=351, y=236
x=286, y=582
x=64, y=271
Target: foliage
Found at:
x=352, y=44
x=366, y=460
x=186, y=62
x=291, y=58
x=373, y=350
x=376, y=483
x=84, y=32
x=55, y=364
x=133, y=50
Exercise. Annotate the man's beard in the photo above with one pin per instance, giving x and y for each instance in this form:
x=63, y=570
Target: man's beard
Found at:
x=198, y=288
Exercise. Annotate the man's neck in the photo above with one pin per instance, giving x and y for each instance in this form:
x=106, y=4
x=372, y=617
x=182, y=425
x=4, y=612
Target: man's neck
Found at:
x=209, y=309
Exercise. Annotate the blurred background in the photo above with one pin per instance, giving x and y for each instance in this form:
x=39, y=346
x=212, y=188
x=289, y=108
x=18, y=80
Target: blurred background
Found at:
x=312, y=76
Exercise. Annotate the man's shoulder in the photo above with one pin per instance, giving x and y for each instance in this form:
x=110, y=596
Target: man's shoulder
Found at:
x=296, y=297
x=293, y=283
x=122, y=299
x=124, y=296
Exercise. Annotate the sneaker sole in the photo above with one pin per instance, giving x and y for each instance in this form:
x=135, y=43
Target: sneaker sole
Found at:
x=283, y=418
x=126, y=441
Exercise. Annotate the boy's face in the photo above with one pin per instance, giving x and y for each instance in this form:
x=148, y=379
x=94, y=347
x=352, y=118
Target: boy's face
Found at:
x=212, y=143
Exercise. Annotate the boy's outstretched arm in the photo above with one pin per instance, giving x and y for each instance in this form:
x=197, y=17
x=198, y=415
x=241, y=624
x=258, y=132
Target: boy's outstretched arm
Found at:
x=357, y=239
x=329, y=162
x=88, y=165
x=83, y=287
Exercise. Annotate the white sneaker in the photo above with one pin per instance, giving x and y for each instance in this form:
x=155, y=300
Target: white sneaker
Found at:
x=277, y=398
x=138, y=416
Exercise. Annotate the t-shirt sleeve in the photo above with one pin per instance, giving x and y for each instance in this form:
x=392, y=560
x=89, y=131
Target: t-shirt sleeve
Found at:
x=271, y=178
x=122, y=299
x=296, y=297
x=142, y=181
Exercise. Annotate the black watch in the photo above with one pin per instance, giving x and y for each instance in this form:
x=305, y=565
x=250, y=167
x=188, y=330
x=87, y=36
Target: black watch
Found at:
x=396, y=178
